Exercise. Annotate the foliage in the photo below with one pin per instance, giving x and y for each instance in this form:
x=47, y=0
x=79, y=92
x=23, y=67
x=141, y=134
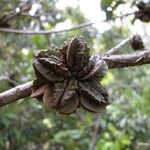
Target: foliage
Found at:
x=109, y=6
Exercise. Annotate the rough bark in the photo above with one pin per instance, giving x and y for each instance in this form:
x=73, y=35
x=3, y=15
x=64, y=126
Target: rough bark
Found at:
x=16, y=93
x=128, y=60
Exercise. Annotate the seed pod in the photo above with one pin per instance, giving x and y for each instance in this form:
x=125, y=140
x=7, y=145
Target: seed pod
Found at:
x=143, y=12
x=137, y=43
x=69, y=78
x=140, y=5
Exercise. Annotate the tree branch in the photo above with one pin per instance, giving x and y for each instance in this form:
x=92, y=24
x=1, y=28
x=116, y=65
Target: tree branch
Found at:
x=118, y=47
x=13, y=14
x=127, y=60
x=29, y=32
x=114, y=61
x=16, y=93
x=6, y=78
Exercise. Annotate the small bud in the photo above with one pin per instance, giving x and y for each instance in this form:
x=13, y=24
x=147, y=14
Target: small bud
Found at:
x=136, y=43
x=140, y=5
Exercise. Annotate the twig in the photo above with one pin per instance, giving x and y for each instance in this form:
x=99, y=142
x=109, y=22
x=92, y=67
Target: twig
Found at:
x=9, y=80
x=125, y=15
x=95, y=132
x=13, y=14
x=28, y=32
x=114, y=61
x=118, y=47
x=36, y=16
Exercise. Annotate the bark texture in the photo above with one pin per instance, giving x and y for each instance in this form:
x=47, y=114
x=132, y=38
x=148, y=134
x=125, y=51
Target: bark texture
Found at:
x=113, y=62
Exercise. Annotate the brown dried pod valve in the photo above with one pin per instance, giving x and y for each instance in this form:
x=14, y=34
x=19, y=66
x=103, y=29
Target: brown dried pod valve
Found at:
x=68, y=78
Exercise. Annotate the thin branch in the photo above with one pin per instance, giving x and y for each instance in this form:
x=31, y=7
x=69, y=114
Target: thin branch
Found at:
x=118, y=47
x=16, y=93
x=83, y=25
x=123, y=16
x=13, y=14
x=2, y=78
x=28, y=32
x=95, y=132
x=36, y=16
x=114, y=61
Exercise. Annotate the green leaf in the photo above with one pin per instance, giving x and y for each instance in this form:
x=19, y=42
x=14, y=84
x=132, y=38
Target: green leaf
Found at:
x=40, y=41
x=105, y=4
x=62, y=135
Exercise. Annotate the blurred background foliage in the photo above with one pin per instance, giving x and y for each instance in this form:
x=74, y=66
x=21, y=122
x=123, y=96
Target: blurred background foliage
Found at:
x=26, y=124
